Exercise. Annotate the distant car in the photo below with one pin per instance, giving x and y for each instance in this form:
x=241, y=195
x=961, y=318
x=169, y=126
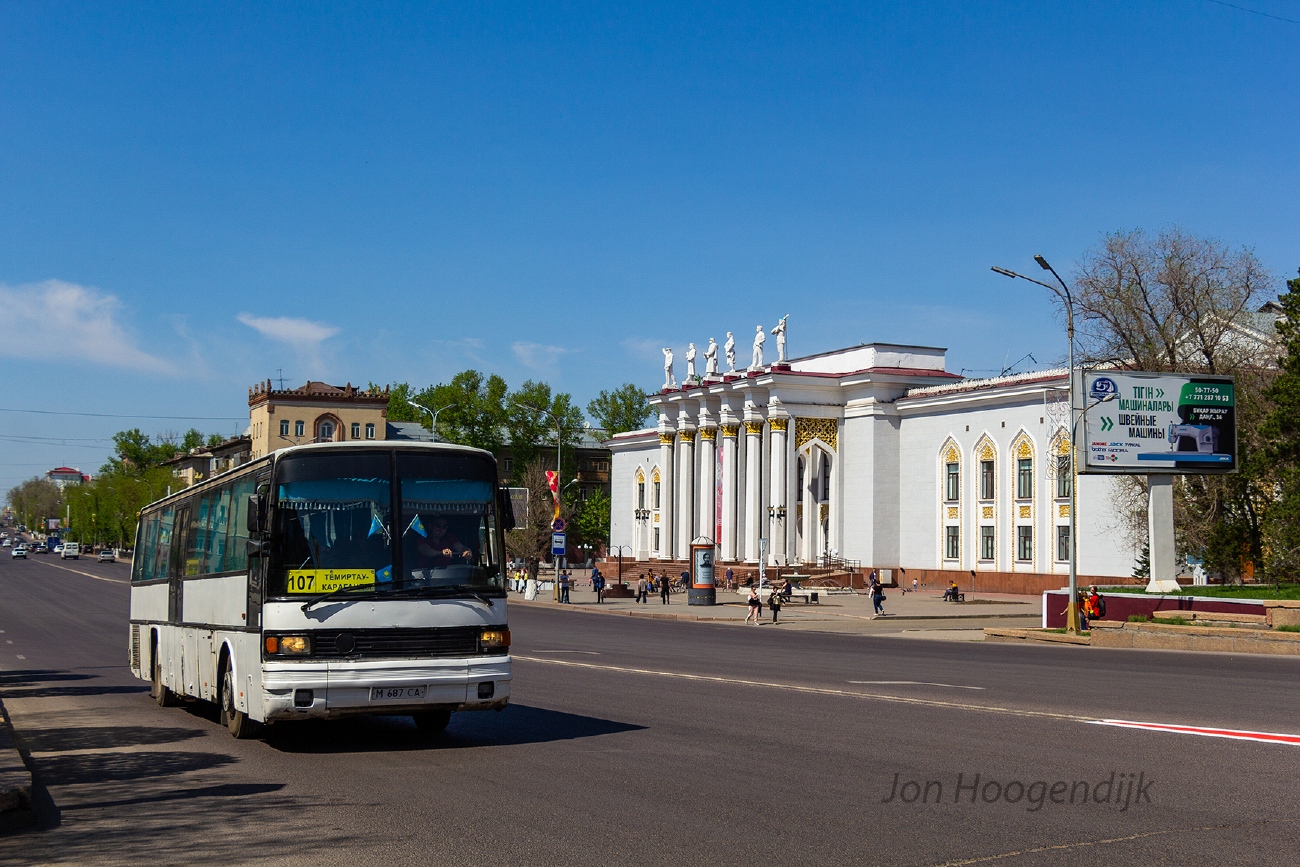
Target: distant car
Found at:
x=58, y=549
x=70, y=551
x=106, y=556
x=19, y=553
x=6, y=543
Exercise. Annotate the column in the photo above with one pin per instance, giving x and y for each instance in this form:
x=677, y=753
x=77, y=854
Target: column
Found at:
x=665, y=510
x=811, y=511
x=729, y=474
x=708, y=523
x=755, y=514
x=778, y=489
x=685, y=487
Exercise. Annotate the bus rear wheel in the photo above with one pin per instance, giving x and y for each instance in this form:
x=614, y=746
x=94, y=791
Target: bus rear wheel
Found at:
x=432, y=722
x=161, y=694
x=235, y=720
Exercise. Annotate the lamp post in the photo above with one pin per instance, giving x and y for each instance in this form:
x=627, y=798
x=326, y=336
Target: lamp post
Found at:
x=433, y=413
x=558, y=475
x=619, y=549
x=1072, y=609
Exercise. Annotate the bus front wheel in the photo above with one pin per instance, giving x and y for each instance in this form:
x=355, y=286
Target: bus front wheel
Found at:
x=432, y=722
x=235, y=720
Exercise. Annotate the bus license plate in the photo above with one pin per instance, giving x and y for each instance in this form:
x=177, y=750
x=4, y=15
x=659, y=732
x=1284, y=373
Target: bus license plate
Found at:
x=397, y=693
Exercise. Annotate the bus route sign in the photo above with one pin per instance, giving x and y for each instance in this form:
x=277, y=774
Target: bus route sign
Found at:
x=1141, y=423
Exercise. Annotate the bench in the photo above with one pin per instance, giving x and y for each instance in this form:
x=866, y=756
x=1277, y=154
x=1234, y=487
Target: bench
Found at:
x=808, y=597
x=961, y=597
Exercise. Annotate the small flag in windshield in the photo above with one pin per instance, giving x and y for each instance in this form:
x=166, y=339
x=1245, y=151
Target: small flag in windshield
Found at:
x=384, y=575
x=418, y=527
x=376, y=526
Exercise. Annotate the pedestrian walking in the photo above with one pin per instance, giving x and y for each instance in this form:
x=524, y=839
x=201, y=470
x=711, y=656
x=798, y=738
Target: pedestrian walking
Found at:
x=731, y=579
x=564, y=587
x=664, y=589
x=642, y=589
x=913, y=585
x=878, y=598
x=598, y=584
x=755, y=606
x=774, y=602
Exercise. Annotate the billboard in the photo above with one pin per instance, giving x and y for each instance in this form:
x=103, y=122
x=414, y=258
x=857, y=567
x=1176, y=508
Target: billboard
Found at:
x=1140, y=423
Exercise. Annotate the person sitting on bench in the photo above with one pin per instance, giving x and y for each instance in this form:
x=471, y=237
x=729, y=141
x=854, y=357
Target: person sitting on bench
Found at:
x=952, y=594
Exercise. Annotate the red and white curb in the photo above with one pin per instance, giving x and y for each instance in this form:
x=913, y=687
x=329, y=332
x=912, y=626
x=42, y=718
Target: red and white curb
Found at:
x=1231, y=734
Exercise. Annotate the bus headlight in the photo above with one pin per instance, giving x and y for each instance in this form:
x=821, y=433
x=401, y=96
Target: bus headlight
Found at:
x=493, y=639
x=288, y=645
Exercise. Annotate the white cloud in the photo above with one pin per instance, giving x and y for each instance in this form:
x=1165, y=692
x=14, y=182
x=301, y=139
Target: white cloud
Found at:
x=58, y=320
x=641, y=347
x=298, y=333
x=538, y=356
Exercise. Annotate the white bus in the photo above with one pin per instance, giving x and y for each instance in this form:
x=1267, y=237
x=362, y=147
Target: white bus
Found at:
x=325, y=580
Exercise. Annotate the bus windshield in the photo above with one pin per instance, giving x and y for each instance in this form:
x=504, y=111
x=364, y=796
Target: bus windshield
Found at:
x=334, y=530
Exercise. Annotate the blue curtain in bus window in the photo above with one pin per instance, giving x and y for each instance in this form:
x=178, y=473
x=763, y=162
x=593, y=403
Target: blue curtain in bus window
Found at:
x=334, y=494
x=445, y=496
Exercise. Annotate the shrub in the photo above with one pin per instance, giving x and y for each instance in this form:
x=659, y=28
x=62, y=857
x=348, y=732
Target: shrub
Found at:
x=1138, y=618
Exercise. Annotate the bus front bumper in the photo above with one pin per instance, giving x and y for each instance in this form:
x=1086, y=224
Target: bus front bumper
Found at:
x=315, y=690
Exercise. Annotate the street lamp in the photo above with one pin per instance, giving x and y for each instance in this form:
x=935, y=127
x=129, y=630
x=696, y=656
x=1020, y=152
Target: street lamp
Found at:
x=432, y=412
x=558, y=475
x=1072, y=609
x=619, y=549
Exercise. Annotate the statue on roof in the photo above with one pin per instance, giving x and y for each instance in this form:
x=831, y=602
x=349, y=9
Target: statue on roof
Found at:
x=690, y=362
x=779, y=331
x=711, y=358
x=760, y=337
x=669, y=381
x=730, y=349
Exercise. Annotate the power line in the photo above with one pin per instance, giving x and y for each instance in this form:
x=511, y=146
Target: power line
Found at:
x=115, y=415
x=1255, y=12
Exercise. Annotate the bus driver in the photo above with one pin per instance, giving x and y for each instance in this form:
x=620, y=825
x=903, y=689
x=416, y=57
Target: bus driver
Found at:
x=442, y=545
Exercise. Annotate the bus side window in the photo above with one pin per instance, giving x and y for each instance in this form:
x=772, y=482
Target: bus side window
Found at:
x=162, y=549
x=147, y=549
x=236, y=556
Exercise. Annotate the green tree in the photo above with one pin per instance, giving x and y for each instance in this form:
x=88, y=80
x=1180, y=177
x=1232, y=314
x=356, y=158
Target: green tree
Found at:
x=623, y=409
x=1175, y=302
x=531, y=419
x=399, y=409
x=591, y=521
x=1282, y=432
x=471, y=409
x=34, y=500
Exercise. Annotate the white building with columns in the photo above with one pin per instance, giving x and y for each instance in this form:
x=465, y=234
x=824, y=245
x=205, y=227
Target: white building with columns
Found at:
x=873, y=454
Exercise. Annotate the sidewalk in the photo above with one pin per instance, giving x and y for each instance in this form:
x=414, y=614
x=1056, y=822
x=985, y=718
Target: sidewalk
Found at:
x=920, y=615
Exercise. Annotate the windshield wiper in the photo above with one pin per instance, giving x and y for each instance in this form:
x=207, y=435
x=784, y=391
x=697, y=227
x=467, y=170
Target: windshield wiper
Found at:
x=306, y=606
x=440, y=590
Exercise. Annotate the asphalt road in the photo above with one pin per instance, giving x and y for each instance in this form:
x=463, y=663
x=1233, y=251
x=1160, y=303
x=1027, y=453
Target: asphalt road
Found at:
x=648, y=742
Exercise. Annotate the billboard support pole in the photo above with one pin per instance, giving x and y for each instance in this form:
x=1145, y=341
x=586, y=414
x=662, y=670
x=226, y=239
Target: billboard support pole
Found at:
x=1160, y=534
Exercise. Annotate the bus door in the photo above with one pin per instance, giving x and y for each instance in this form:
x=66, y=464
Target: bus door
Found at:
x=176, y=566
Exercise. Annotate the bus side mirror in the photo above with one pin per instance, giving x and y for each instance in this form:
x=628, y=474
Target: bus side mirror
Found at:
x=256, y=515
x=506, y=508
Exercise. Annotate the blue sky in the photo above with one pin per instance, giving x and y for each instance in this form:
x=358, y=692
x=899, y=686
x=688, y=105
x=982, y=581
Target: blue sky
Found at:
x=195, y=196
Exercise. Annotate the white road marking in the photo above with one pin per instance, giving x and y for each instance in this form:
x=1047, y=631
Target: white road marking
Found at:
x=1231, y=734
x=88, y=574
x=1269, y=737
x=20, y=656
x=587, y=652
x=914, y=683
x=815, y=690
